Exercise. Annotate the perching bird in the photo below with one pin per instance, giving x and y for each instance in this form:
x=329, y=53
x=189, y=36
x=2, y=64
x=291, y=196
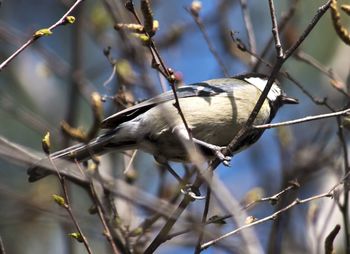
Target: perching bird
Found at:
x=215, y=110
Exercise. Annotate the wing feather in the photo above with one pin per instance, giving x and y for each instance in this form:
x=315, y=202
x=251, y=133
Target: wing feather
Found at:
x=203, y=89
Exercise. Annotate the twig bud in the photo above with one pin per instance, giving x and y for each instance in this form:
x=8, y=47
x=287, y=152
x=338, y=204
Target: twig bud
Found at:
x=250, y=219
x=77, y=236
x=342, y=32
x=59, y=200
x=46, y=143
x=129, y=5
x=70, y=19
x=196, y=7
x=135, y=28
x=75, y=133
x=42, y=32
x=345, y=8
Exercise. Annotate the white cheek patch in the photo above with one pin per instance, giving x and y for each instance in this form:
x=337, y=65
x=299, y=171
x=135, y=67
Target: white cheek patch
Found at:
x=274, y=92
x=260, y=83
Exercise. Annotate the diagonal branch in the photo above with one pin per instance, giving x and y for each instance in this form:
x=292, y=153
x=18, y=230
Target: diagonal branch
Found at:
x=60, y=22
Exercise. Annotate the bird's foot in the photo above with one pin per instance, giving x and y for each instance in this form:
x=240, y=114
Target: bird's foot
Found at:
x=192, y=192
x=223, y=158
x=217, y=151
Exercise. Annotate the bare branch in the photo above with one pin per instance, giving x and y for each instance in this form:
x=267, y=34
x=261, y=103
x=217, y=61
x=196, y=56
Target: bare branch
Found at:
x=275, y=32
x=60, y=22
x=249, y=28
x=271, y=217
x=303, y=120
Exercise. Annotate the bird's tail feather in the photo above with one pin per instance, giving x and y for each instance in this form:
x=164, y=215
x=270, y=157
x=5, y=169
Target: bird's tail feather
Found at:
x=80, y=152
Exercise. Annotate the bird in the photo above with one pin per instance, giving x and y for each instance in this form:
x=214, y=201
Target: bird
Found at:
x=215, y=110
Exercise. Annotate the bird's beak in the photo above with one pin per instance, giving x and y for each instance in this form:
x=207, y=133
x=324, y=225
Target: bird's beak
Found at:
x=288, y=100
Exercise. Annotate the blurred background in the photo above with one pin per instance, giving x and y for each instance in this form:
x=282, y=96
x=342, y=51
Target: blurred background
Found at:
x=52, y=81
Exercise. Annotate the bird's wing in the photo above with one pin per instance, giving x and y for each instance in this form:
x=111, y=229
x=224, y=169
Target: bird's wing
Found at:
x=203, y=89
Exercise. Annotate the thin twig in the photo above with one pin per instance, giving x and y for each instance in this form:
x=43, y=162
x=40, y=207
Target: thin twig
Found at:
x=286, y=74
x=110, y=78
x=203, y=30
x=166, y=72
x=131, y=160
x=163, y=233
x=204, y=220
x=284, y=21
x=73, y=92
x=320, y=12
x=148, y=222
x=60, y=22
x=324, y=227
x=335, y=82
x=344, y=208
x=272, y=199
x=275, y=32
x=67, y=206
x=297, y=201
x=100, y=211
x=103, y=217
x=303, y=120
x=249, y=28
x=267, y=218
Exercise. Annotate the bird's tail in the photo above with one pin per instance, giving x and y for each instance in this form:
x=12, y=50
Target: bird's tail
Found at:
x=80, y=152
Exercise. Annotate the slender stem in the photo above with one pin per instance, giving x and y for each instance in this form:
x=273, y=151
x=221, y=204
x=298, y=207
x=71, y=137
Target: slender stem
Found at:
x=303, y=120
x=67, y=206
x=201, y=27
x=17, y=52
x=272, y=199
x=275, y=32
x=320, y=12
x=60, y=22
x=284, y=21
x=345, y=207
x=162, y=235
x=100, y=211
x=102, y=216
x=267, y=218
x=204, y=219
x=165, y=72
x=336, y=83
x=249, y=28
x=71, y=113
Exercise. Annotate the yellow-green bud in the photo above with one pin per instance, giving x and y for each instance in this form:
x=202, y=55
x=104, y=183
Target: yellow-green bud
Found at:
x=42, y=32
x=59, y=200
x=70, y=19
x=46, y=143
x=77, y=236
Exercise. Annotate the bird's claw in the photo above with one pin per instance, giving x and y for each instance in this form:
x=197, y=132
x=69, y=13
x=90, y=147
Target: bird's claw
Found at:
x=224, y=159
x=192, y=192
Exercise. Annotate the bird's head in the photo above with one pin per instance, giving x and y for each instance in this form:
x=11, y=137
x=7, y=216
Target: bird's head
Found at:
x=276, y=95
